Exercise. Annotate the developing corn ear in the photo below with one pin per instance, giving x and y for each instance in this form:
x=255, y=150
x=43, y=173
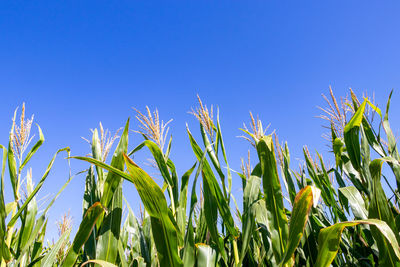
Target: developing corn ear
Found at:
x=312, y=215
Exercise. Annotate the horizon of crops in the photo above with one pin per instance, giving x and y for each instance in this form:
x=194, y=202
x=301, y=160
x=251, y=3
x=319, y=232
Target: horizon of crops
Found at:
x=312, y=216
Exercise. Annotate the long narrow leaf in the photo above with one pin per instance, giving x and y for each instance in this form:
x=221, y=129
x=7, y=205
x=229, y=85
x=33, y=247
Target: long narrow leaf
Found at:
x=107, y=243
x=112, y=180
x=39, y=185
x=215, y=189
x=51, y=256
x=33, y=149
x=4, y=250
x=164, y=230
x=85, y=228
x=355, y=201
x=351, y=137
x=277, y=220
x=301, y=208
x=329, y=239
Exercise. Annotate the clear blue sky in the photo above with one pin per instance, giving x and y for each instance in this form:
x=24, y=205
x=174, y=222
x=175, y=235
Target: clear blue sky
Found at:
x=76, y=63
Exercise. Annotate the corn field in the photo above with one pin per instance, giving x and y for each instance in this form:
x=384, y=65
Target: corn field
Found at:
x=322, y=215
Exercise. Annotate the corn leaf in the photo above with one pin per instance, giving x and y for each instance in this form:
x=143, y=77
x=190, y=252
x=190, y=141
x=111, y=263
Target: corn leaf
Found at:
x=352, y=137
x=34, y=234
x=164, y=230
x=189, y=257
x=301, y=208
x=277, y=221
x=34, y=192
x=391, y=143
x=85, y=228
x=121, y=254
x=329, y=240
x=356, y=202
x=379, y=209
x=12, y=163
x=33, y=149
x=158, y=157
x=181, y=210
x=210, y=207
x=108, y=236
x=221, y=143
x=215, y=190
x=96, y=152
x=112, y=180
x=4, y=250
x=51, y=256
x=285, y=170
x=29, y=217
x=12, y=168
x=89, y=198
x=250, y=196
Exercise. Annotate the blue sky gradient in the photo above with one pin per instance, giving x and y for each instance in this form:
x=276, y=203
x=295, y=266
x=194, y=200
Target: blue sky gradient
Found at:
x=76, y=63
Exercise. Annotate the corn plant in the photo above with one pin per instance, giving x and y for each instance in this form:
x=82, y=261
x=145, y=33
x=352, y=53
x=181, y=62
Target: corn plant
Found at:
x=322, y=215
x=22, y=225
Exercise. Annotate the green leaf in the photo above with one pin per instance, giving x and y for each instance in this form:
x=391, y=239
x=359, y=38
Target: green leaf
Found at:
x=286, y=173
x=352, y=138
x=85, y=228
x=108, y=236
x=41, y=223
x=250, y=196
x=373, y=138
x=139, y=242
x=329, y=239
x=301, y=208
x=121, y=254
x=214, y=160
x=163, y=227
x=277, y=221
x=51, y=256
x=105, y=166
x=89, y=198
x=210, y=208
x=34, y=235
x=356, y=120
x=4, y=250
x=39, y=185
x=96, y=152
x=112, y=180
x=29, y=217
x=391, y=143
x=33, y=149
x=38, y=245
x=375, y=108
x=181, y=210
x=215, y=190
x=189, y=256
x=9, y=207
x=158, y=157
x=379, y=209
x=221, y=142
x=12, y=168
x=163, y=163
x=356, y=201
x=12, y=163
